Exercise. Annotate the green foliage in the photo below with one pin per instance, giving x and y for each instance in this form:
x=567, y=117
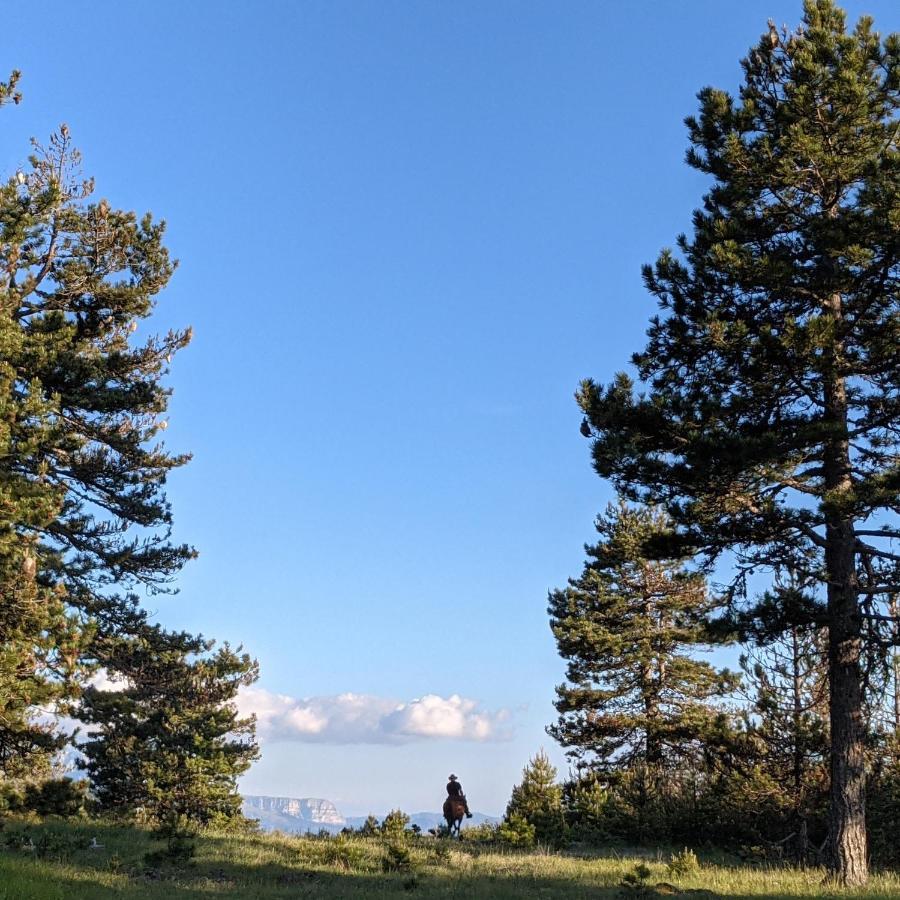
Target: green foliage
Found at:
x=783, y=752
x=397, y=858
x=626, y=628
x=485, y=833
x=883, y=808
x=370, y=827
x=394, y=825
x=516, y=830
x=84, y=519
x=342, y=853
x=586, y=801
x=683, y=864
x=8, y=92
x=636, y=883
x=56, y=797
x=179, y=834
x=538, y=800
x=765, y=424
x=439, y=853
x=46, y=843
x=170, y=743
x=273, y=867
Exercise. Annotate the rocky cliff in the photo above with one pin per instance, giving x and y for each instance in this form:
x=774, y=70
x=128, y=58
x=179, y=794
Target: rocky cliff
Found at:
x=293, y=813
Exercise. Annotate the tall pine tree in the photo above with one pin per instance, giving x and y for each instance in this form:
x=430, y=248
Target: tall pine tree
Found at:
x=768, y=418
x=84, y=519
x=627, y=627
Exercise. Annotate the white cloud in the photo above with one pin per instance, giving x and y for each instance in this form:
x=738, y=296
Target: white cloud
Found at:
x=366, y=719
x=103, y=681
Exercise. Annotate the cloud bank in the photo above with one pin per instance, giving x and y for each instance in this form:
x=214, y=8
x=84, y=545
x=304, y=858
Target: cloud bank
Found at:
x=366, y=719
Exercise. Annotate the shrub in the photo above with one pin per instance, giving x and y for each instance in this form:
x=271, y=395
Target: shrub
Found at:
x=342, y=853
x=369, y=828
x=683, y=864
x=11, y=799
x=397, y=858
x=485, y=833
x=394, y=824
x=440, y=853
x=515, y=829
x=178, y=832
x=56, y=797
x=637, y=883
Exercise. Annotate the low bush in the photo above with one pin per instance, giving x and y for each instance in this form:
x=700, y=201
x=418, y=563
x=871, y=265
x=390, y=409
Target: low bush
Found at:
x=397, y=858
x=179, y=834
x=683, y=864
x=517, y=831
x=56, y=797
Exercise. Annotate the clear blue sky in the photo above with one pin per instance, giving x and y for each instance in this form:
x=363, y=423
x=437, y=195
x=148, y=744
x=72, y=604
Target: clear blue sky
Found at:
x=406, y=230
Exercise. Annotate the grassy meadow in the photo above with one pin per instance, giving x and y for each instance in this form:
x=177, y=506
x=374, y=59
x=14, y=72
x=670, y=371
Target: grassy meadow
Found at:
x=53, y=861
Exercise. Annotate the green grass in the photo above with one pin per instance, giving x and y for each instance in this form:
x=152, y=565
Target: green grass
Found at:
x=277, y=867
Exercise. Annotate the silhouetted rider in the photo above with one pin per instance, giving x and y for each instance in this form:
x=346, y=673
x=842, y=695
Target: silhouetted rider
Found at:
x=454, y=790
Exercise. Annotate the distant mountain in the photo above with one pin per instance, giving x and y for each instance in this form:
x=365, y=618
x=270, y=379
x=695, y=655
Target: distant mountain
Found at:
x=292, y=814
x=300, y=815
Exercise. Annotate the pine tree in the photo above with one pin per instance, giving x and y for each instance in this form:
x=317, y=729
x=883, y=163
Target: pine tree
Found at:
x=83, y=516
x=767, y=424
x=170, y=744
x=627, y=627
x=8, y=92
x=586, y=805
x=79, y=277
x=538, y=801
x=788, y=729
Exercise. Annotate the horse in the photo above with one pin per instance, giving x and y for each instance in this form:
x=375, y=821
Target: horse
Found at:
x=454, y=810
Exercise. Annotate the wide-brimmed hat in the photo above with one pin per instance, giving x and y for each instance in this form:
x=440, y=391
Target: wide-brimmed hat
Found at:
x=453, y=778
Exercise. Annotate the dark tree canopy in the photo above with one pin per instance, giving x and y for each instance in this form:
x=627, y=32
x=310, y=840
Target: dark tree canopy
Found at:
x=768, y=418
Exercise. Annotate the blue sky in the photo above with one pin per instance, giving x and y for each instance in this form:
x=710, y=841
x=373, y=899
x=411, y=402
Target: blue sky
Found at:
x=406, y=232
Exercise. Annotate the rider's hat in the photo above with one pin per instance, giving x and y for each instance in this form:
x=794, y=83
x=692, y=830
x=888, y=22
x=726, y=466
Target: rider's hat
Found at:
x=453, y=778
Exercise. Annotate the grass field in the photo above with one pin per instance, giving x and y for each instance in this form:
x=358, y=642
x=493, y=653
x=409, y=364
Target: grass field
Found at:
x=55, y=863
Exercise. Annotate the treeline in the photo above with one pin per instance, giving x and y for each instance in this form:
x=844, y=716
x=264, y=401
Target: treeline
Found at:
x=666, y=748
x=85, y=526
x=760, y=440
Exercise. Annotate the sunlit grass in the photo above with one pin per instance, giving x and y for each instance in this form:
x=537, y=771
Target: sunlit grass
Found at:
x=280, y=866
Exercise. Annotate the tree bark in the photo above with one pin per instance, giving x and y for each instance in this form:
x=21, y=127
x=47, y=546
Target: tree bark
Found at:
x=847, y=811
x=894, y=610
x=848, y=856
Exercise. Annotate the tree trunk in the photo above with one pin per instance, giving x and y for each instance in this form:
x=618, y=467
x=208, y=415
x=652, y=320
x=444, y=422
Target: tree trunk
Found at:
x=802, y=840
x=894, y=610
x=848, y=857
x=847, y=811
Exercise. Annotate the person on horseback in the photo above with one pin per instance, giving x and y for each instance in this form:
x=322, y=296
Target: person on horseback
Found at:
x=454, y=790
